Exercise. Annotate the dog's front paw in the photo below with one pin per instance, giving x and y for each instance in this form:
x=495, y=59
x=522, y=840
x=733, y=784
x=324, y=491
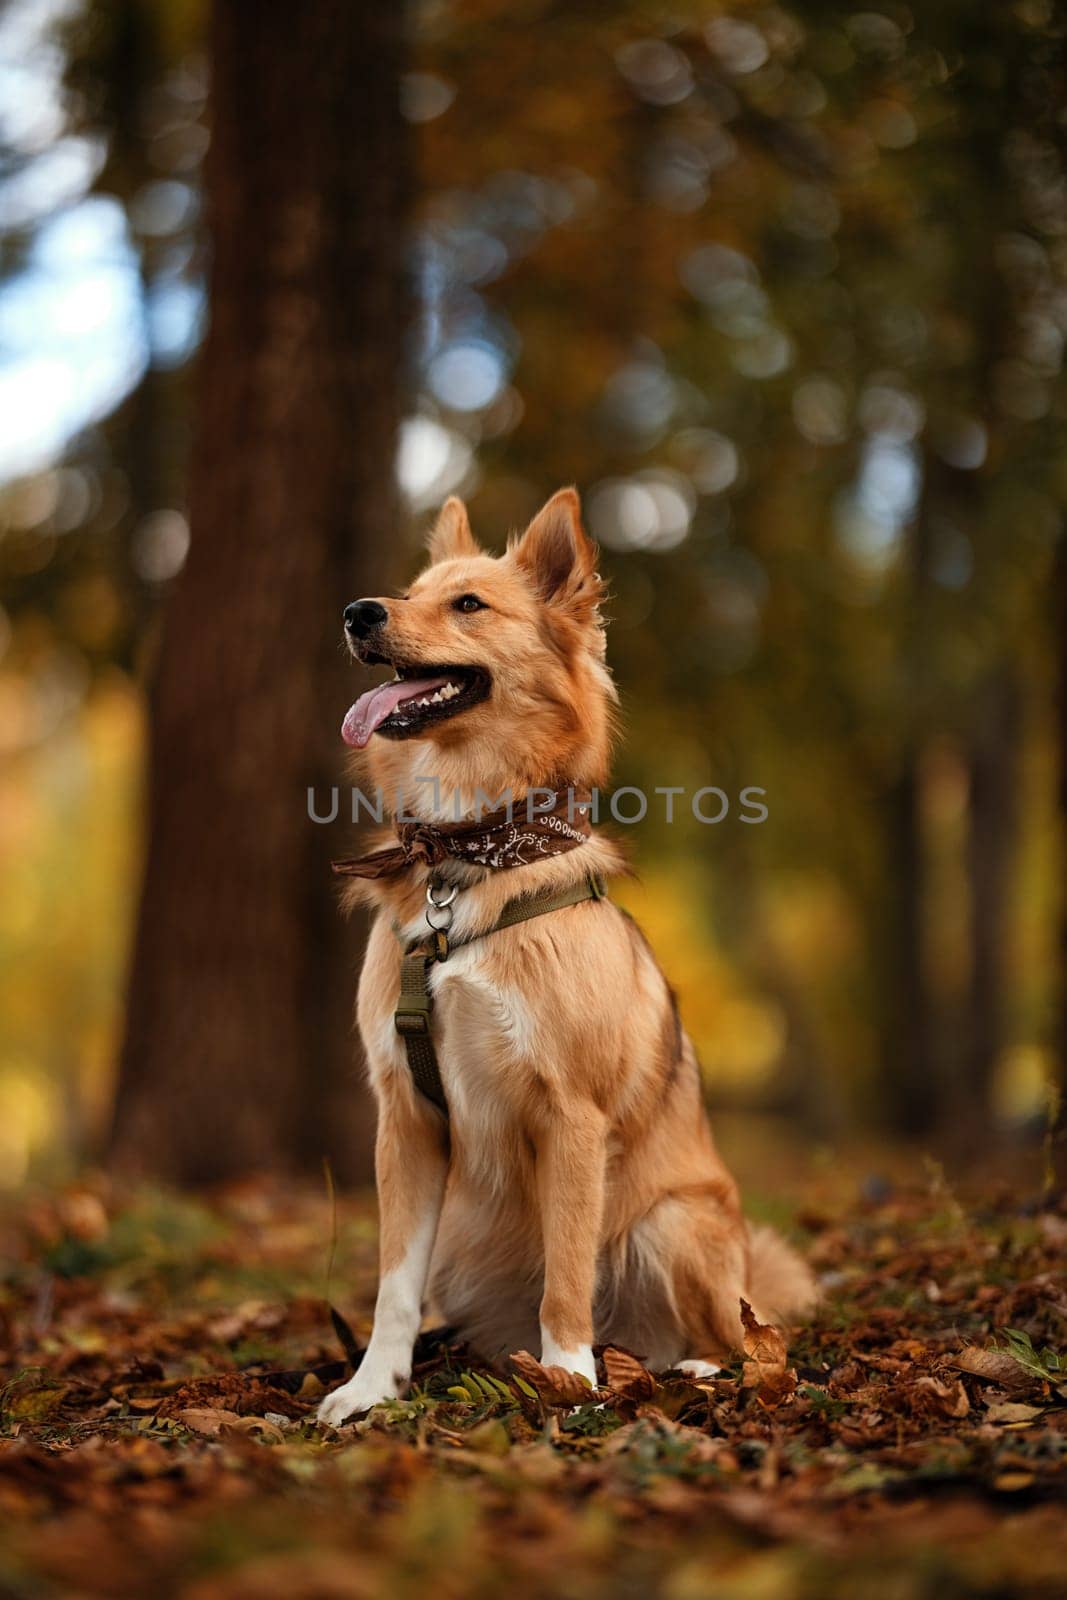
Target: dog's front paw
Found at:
x=358, y=1394
x=579, y=1359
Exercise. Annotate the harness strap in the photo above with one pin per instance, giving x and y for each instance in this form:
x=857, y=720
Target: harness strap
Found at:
x=415, y=1005
x=412, y=1022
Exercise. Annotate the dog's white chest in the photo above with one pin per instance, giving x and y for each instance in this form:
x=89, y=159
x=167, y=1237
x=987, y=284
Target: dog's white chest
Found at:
x=483, y=1035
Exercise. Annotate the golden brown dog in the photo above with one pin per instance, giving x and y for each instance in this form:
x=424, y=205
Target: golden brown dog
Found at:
x=574, y=1195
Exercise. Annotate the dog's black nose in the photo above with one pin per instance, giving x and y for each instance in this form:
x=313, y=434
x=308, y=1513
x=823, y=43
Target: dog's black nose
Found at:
x=363, y=615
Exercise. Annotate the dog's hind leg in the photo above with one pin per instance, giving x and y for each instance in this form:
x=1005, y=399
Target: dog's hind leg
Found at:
x=676, y=1295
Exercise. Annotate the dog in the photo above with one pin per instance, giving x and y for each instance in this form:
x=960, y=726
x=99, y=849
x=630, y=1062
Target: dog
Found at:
x=570, y=1193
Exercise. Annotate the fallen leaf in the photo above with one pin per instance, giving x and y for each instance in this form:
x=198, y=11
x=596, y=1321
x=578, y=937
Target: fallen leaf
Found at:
x=243, y=1393
x=764, y=1344
x=554, y=1385
x=31, y=1399
x=776, y=1387
x=207, y=1420
x=256, y=1427
x=626, y=1377
x=944, y=1397
x=765, y=1370
x=992, y=1366
x=1011, y=1411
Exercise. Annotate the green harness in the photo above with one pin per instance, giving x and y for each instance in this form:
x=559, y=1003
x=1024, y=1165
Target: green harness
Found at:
x=415, y=1005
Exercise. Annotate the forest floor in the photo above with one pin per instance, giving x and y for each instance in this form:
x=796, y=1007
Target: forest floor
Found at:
x=163, y=1358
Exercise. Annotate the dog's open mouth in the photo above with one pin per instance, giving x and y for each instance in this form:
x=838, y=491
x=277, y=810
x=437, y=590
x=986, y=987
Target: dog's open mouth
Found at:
x=417, y=697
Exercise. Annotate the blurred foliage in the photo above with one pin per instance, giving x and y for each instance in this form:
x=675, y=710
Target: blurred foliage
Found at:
x=68, y=858
x=784, y=290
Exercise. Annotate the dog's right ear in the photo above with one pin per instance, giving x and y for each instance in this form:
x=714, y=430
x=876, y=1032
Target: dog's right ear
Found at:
x=451, y=534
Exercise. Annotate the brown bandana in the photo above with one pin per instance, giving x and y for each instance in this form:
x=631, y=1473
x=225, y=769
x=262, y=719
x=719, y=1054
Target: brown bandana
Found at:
x=506, y=838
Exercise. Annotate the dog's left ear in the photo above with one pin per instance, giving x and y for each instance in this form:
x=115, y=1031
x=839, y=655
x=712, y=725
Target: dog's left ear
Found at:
x=559, y=557
x=451, y=534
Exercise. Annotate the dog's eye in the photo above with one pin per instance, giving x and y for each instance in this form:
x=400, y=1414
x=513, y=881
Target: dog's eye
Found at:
x=469, y=602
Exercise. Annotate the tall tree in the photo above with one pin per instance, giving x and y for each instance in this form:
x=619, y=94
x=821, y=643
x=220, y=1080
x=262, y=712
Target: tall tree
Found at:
x=1058, y=1110
x=239, y=1051
x=993, y=760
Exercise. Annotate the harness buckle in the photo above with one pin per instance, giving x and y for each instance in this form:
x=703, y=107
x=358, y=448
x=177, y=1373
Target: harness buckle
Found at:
x=412, y=1015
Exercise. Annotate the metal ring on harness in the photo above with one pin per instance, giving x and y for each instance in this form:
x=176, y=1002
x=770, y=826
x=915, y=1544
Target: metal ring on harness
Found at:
x=442, y=906
x=444, y=912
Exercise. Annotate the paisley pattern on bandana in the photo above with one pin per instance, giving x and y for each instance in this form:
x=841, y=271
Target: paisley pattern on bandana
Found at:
x=504, y=839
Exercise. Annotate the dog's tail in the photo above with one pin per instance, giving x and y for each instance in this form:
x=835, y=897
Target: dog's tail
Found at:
x=781, y=1284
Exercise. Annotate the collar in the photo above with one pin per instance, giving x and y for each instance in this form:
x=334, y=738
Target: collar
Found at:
x=515, y=836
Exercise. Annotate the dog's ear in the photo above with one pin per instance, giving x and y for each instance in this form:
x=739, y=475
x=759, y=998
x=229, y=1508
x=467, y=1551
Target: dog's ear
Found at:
x=451, y=534
x=558, y=556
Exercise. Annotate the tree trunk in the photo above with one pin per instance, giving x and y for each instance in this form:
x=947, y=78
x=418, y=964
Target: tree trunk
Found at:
x=910, y=1087
x=1058, y=1110
x=239, y=1053
x=147, y=422
x=911, y=1090
x=993, y=765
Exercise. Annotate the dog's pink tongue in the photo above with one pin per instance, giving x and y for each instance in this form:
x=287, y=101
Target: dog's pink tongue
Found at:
x=372, y=708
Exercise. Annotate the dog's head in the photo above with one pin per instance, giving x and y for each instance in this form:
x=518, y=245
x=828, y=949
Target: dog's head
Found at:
x=499, y=662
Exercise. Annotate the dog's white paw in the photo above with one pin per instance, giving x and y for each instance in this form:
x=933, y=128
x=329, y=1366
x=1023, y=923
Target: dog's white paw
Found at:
x=355, y=1396
x=698, y=1369
x=580, y=1359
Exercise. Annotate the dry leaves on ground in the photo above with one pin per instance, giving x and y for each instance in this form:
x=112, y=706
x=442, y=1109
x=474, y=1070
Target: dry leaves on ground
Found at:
x=163, y=1361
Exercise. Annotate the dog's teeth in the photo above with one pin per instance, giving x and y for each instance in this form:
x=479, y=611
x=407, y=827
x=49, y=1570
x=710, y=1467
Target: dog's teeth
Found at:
x=422, y=702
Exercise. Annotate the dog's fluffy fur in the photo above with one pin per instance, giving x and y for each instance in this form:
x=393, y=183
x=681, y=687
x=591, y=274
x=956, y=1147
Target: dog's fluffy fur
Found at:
x=576, y=1195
